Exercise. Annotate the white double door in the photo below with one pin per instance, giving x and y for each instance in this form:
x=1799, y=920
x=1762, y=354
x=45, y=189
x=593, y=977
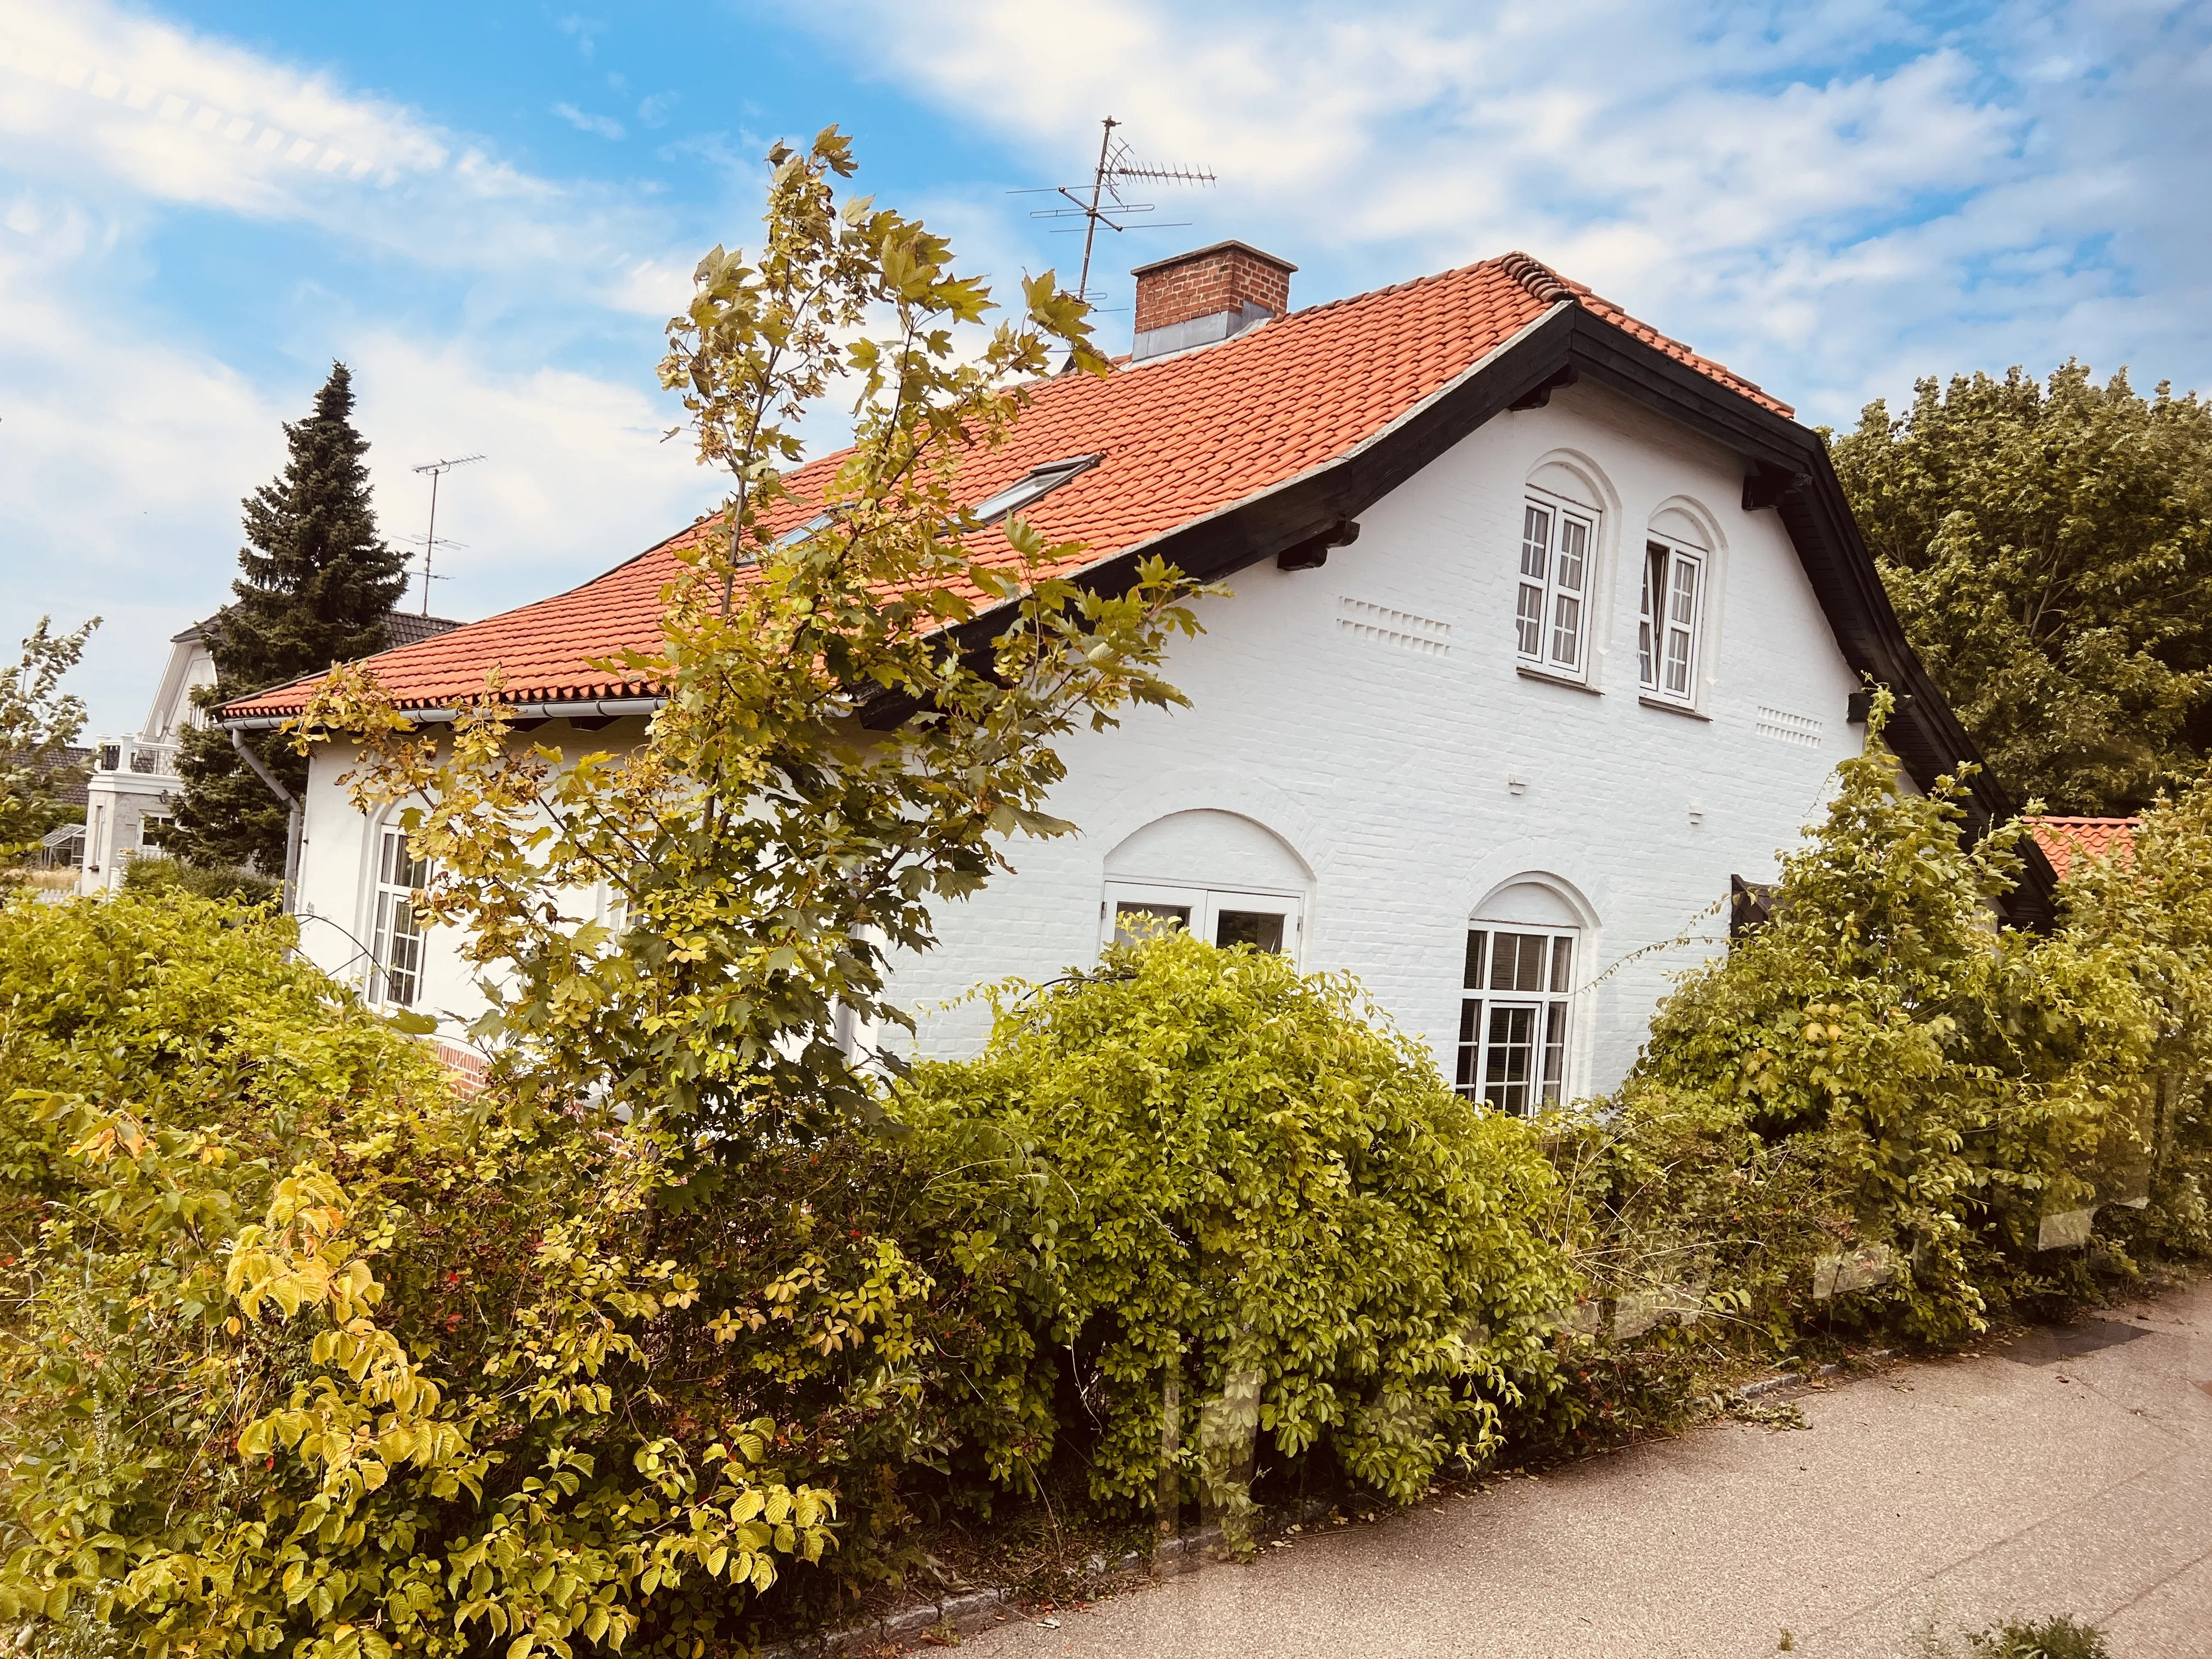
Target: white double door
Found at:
x=1220, y=915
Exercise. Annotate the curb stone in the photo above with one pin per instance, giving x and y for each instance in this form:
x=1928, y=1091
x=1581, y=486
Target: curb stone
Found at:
x=979, y=1609
x=1787, y=1379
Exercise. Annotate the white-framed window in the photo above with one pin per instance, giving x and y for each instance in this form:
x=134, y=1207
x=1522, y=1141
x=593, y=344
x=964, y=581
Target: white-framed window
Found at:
x=1667, y=621
x=1551, y=615
x=1515, y=1015
x=1266, y=922
x=395, y=977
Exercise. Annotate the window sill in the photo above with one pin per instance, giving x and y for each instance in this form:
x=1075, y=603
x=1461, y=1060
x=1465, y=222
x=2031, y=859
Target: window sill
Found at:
x=1553, y=676
x=1681, y=709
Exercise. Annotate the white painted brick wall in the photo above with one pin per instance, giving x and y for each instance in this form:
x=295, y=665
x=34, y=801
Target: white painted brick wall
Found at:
x=1384, y=765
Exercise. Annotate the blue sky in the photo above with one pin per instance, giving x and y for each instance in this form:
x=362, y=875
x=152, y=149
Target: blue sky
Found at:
x=489, y=211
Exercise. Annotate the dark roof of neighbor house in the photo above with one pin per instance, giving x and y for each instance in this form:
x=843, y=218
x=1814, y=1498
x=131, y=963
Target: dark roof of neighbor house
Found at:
x=71, y=758
x=401, y=628
x=1218, y=457
x=406, y=627
x=2065, y=839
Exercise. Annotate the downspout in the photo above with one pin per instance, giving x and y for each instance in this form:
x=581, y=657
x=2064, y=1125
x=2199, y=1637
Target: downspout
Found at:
x=292, y=830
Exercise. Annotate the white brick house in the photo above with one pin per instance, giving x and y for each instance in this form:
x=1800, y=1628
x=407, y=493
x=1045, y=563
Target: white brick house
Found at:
x=1543, y=627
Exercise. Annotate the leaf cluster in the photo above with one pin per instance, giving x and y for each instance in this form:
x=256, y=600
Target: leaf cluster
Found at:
x=301, y=1352
x=860, y=710
x=1880, y=1066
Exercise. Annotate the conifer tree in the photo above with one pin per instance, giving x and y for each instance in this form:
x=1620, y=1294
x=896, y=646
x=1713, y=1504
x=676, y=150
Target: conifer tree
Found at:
x=317, y=584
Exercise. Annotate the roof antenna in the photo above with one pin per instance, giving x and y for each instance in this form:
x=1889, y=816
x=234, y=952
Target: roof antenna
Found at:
x=437, y=470
x=1101, y=202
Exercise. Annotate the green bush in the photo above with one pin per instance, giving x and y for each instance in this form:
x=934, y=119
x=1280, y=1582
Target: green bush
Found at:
x=168, y=875
x=2057, y=1638
x=1219, y=1183
x=2047, y=1638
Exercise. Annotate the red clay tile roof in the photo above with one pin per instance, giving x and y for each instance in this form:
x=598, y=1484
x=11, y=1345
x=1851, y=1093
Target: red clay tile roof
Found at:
x=1184, y=438
x=2064, y=840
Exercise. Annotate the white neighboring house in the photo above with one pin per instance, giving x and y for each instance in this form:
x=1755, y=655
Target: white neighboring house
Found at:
x=131, y=797
x=1545, y=632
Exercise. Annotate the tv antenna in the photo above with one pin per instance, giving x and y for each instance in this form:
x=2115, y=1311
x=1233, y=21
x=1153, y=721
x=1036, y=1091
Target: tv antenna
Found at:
x=437, y=470
x=1101, y=200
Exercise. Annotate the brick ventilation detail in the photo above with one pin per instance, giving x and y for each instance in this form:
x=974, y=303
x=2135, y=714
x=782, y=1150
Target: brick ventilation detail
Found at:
x=1212, y=279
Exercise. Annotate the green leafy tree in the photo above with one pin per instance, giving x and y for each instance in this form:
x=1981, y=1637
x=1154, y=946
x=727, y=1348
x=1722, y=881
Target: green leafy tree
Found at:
x=2150, y=906
x=302, y=1354
x=830, y=764
x=575, y=1365
x=2048, y=549
x=317, y=584
x=38, y=722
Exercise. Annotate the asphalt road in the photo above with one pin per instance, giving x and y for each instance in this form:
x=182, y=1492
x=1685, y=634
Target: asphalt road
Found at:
x=2066, y=1472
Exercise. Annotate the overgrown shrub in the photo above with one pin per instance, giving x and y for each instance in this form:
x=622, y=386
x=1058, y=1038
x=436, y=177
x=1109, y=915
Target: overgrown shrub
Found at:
x=302, y=1352
x=1222, y=1185
x=1880, y=1068
x=169, y=875
x=2150, y=907
x=2055, y=1638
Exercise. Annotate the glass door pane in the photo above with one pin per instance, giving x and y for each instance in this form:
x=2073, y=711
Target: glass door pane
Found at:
x=1161, y=918
x=1509, y=1056
x=1260, y=929
x=1466, y=1078
x=1266, y=922
x=1555, y=1052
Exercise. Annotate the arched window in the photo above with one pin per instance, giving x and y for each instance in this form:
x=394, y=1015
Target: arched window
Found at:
x=1670, y=614
x=1515, y=1022
x=395, y=972
x=1559, y=571
x=1221, y=876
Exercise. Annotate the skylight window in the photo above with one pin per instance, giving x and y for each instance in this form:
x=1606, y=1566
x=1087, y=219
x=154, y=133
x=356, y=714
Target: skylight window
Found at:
x=798, y=533
x=791, y=538
x=1040, y=482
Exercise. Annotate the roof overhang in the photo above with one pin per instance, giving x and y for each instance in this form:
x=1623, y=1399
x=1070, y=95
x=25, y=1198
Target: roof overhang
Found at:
x=1786, y=468
x=598, y=710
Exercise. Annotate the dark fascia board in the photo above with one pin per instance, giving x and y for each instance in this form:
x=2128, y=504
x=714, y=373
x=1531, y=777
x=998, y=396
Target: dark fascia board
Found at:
x=1926, y=735
x=1923, y=729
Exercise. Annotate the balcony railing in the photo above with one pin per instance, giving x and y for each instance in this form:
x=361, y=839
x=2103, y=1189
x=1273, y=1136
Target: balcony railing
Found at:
x=153, y=760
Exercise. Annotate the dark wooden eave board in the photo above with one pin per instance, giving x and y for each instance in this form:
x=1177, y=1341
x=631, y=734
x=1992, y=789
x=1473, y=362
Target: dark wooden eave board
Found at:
x=1926, y=735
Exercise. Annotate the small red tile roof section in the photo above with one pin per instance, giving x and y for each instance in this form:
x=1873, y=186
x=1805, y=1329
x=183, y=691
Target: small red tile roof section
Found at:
x=1183, y=438
x=2064, y=840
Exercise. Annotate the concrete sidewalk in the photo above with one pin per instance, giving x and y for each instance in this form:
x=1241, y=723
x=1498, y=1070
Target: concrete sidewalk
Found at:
x=2066, y=1472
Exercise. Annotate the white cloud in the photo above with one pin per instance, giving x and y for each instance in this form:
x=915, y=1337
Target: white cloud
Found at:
x=603, y=126
x=141, y=111
x=1828, y=196
x=585, y=31
x=126, y=447
x=123, y=462
x=576, y=475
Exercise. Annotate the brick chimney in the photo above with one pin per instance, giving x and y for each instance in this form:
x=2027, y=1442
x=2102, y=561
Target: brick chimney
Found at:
x=1195, y=298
